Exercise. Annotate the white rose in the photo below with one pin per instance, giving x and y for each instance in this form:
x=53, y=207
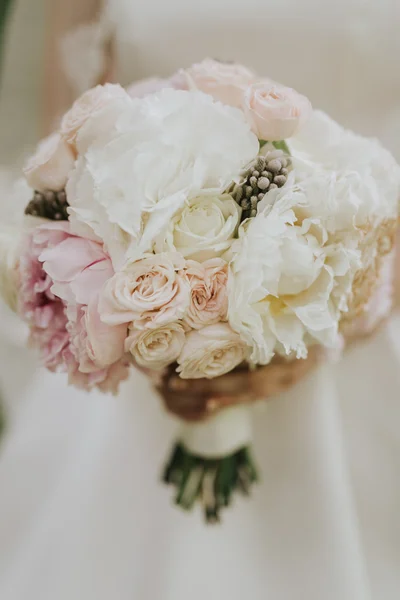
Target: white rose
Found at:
x=204, y=229
x=156, y=348
x=160, y=152
x=49, y=167
x=211, y=352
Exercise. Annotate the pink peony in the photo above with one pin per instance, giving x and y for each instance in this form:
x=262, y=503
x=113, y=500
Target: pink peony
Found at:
x=79, y=267
x=37, y=303
x=275, y=112
x=208, y=292
x=149, y=292
x=61, y=276
x=225, y=82
x=49, y=167
x=94, y=344
x=107, y=380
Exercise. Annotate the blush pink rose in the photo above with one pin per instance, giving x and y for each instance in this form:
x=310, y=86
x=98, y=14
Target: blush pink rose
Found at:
x=275, y=112
x=211, y=352
x=149, y=292
x=49, y=167
x=208, y=292
x=225, y=82
x=90, y=103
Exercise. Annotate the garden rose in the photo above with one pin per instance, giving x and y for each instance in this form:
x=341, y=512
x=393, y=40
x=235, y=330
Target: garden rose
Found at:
x=225, y=82
x=156, y=348
x=208, y=292
x=87, y=105
x=49, y=167
x=203, y=229
x=211, y=352
x=149, y=292
x=275, y=112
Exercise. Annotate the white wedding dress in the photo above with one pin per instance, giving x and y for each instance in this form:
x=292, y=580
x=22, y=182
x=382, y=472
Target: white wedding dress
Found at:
x=82, y=513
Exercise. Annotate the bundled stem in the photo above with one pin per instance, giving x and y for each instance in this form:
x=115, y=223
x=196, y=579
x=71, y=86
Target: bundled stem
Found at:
x=211, y=481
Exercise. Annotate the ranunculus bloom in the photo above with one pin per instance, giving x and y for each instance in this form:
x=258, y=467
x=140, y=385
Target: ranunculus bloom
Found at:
x=211, y=352
x=208, y=292
x=204, y=229
x=149, y=292
x=87, y=105
x=49, y=167
x=275, y=112
x=156, y=348
x=225, y=82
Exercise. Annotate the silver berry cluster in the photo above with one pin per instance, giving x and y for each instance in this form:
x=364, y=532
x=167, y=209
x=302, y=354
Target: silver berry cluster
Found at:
x=264, y=174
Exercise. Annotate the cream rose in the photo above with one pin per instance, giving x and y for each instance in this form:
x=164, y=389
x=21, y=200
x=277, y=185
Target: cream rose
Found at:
x=49, y=167
x=275, y=112
x=150, y=292
x=87, y=105
x=225, y=82
x=204, y=229
x=156, y=348
x=211, y=352
x=208, y=292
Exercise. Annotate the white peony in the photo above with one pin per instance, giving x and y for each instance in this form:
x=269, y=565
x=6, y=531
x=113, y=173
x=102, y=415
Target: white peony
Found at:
x=161, y=151
x=287, y=285
x=203, y=229
x=363, y=174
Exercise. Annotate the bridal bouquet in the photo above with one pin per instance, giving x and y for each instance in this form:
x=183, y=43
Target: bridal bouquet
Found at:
x=195, y=226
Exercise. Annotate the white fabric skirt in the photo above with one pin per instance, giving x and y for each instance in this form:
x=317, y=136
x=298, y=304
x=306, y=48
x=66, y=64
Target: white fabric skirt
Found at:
x=84, y=515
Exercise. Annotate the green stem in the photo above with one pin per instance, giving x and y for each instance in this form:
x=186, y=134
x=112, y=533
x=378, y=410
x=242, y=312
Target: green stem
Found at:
x=281, y=145
x=212, y=482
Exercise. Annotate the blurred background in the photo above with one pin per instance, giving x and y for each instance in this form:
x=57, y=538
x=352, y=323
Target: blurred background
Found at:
x=344, y=56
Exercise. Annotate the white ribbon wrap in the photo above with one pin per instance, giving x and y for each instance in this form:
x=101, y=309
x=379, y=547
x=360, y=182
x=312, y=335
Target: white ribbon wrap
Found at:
x=221, y=435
